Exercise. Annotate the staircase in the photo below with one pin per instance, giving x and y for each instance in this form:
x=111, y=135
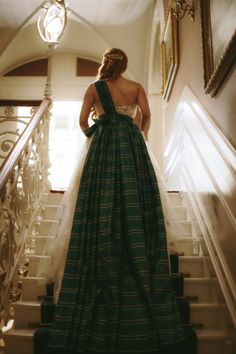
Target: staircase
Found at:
x=208, y=312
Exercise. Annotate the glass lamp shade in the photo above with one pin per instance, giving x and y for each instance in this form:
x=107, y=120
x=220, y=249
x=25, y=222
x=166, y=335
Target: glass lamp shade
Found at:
x=51, y=26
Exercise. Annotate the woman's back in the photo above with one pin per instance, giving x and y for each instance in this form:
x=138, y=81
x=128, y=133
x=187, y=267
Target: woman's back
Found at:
x=123, y=91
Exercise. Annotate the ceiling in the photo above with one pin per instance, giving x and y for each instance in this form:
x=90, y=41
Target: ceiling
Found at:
x=15, y=13
x=97, y=23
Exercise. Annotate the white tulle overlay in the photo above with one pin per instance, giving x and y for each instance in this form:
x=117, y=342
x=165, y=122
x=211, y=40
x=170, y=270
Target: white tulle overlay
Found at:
x=57, y=248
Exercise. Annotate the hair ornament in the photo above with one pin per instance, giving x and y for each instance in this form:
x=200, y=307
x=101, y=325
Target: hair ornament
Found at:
x=114, y=56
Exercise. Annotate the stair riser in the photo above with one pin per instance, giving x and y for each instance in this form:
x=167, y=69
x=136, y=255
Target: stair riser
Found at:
x=208, y=317
x=40, y=244
x=190, y=214
x=179, y=213
x=213, y=347
x=196, y=229
x=175, y=199
x=18, y=345
x=183, y=227
x=194, y=267
x=53, y=212
x=34, y=262
x=32, y=289
x=203, y=247
x=185, y=246
x=25, y=315
x=202, y=289
x=53, y=199
x=48, y=227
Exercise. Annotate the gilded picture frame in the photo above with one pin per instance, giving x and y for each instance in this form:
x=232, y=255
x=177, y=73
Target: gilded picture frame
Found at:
x=170, y=54
x=218, y=42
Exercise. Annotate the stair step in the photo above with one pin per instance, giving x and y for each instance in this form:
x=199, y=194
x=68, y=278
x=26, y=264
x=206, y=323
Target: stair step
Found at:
x=207, y=314
x=49, y=227
x=203, y=246
x=179, y=212
x=19, y=341
x=32, y=288
x=40, y=243
x=196, y=229
x=184, y=245
x=53, y=212
x=26, y=314
x=192, y=265
x=53, y=198
x=185, y=227
x=203, y=288
x=175, y=198
x=190, y=212
x=34, y=262
x=213, y=342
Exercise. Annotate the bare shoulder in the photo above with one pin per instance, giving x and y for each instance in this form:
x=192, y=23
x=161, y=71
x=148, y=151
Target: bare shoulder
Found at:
x=132, y=83
x=90, y=91
x=134, y=86
x=91, y=88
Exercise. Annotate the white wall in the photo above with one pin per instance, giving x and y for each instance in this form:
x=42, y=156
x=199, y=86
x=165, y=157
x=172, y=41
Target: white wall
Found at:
x=155, y=135
x=222, y=108
x=65, y=84
x=199, y=155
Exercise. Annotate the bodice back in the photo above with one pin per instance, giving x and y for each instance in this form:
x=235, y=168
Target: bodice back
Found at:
x=128, y=110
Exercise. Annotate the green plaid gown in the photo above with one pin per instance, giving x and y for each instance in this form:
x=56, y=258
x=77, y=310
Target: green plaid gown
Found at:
x=116, y=294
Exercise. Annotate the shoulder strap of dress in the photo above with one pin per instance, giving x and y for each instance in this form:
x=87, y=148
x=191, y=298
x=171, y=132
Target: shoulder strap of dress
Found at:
x=105, y=96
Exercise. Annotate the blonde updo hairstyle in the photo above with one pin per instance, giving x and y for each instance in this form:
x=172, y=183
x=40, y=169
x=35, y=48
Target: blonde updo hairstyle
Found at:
x=114, y=63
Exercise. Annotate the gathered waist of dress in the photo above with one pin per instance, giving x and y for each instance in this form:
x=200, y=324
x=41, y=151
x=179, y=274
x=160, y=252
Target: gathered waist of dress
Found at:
x=127, y=110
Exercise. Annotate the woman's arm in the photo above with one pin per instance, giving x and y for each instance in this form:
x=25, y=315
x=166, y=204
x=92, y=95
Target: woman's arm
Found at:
x=145, y=110
x=87, y=105
x=138, y=118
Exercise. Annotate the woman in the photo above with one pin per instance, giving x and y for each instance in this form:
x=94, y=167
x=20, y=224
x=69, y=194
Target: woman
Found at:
x=116, y=294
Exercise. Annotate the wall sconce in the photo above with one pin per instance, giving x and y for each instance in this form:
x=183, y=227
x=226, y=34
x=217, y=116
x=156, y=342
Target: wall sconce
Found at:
x=182, y=7
x=53, y=23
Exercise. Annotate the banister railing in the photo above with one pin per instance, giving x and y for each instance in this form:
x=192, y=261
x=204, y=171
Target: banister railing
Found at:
x=16, y=151
x=23, y=180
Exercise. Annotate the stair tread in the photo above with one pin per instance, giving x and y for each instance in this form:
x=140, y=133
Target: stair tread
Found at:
x=28, y=332
x=32, y=278
x=42, y=236
x=51, y=220
x=38, y=256
x=27, y=303
x=206, y=305
x=202, y=279
x=186, y=238
x=199, y=258
x=183, y=221
x=212, y=333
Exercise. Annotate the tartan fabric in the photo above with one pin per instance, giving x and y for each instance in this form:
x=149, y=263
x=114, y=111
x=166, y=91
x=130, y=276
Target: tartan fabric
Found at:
x=116, y=294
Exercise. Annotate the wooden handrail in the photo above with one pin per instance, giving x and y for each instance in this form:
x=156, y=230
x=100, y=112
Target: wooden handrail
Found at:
x=15, y=153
